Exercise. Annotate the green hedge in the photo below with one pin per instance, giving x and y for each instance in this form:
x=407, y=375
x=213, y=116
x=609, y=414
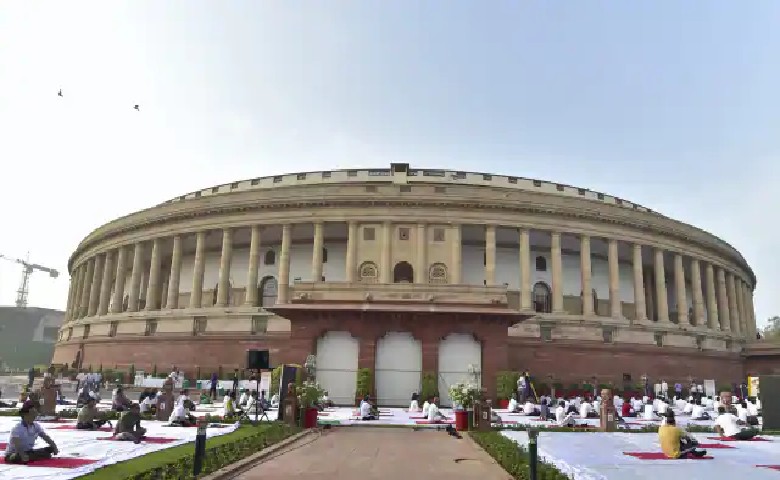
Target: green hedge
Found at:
x=513, y=457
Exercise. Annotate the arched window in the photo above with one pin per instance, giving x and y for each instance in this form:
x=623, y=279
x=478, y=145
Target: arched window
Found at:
x=437, y=273
x=403, y=273
x=324, y=255
x=542, y=298
x=270, y=258
x=541, y=264
x=368, y=272
x=268, y=291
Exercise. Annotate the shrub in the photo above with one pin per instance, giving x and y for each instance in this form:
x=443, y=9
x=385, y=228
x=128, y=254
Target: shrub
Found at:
x=365, y=380
x=430, y=387
x=514, y=457
x=276, y=375
x=506, y=384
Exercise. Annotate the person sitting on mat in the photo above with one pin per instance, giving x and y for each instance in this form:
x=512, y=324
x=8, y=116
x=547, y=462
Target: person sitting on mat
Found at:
x=627, y=410
x=230, y=405
x=564, y=418
x=180, y=418
x=675, y=443
x=21, y=444
x=544, y=410
x=128, y=427
x=367, y=410
x=244, y=398
x=426, y=406
x=90, y=418
x=434, y=415
x=728, y=425
x=587, y=410
x=698, y=413
x=119, y=400
x=414, y=406
x=205, y=397
x=513, y=406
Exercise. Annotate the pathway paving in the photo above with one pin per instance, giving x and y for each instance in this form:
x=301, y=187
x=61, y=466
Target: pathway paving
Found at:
x=364, y=453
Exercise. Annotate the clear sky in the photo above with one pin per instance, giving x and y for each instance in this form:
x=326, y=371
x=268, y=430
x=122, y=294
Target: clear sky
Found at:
x=674, y=105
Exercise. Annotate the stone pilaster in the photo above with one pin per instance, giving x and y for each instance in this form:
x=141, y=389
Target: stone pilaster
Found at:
x=733, y=310
x=121, y=278
x=250, y=299
x=586, y=276
x=640, y=309
x=457, y=255
x=740, y=300
x=198, y=269
x=386, y=269
x=662, y=304
x=88, y=277
x=223, y=287
x=421, y=269
x=352, y=242
x=490, y=255
x=723, y=302
x=135, y=278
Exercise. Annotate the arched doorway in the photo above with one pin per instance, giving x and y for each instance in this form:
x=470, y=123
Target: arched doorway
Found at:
x=542, y=298
x=403, y=273
x=267, y=292
x=398, y=368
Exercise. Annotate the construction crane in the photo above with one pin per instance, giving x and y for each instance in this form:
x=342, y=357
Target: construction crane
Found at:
x=27, y=270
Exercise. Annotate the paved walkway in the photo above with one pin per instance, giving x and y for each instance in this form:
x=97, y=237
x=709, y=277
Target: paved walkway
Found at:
x=363, y=453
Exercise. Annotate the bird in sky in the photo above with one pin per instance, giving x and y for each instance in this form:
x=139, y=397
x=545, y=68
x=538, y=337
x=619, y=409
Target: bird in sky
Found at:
x=137, y=108
x=59, y=94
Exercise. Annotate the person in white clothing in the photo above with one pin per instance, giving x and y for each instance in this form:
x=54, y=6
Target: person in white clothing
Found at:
x=752, y=409
x=366, y=409
x=414, y=406
x=728, y=425
x=665, y=388
x=530, y=409
x=648, y=413
x=586, y=411
x=562, y=418
x=688, y=408
x=180, y=418
x=698, y=413
x=513, y=406
x=243, y=398
x=434, y=415
x=275, y=400
x=662, y=407
x=425, y=408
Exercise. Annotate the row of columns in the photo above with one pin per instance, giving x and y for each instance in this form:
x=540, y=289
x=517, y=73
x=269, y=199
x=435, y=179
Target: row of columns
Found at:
x=729, y=298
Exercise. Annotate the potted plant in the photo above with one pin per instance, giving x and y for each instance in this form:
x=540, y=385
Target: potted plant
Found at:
x=506, y=385
x=309, y=394
x=464, y=396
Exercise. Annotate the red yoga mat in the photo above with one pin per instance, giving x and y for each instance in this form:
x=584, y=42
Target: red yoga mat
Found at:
x=732, y=439
x=73, y=427
x=57, y=462
x=158, y=440
x=714, y=445
x=3, y=446
x=435, y=422
x=773, y=467
x=661, y=456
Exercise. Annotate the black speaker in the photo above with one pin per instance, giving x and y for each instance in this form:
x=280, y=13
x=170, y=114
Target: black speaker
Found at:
x=257, y=360
x=769, y=388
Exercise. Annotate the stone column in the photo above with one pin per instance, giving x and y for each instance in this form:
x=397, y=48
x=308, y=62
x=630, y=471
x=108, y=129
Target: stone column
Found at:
x=650, y=294
x=751, y=310
x=88, y=276
x=661, y=301
x=94, y=291
x=121, y=277
x=698, y=300
x=284, y=265
x=83, y=290
x=386, y=269
x=316, y=254
x=135, y=278
x=172, y=302
x=525, y=270
x=490, y=255
x=557, y=272
x=69, y=304
x=457, y=256
x=250, y=299
x=723, y=302
x=352, y=242
x=421, y=269
x=153, y=286
x=679, y=285
x=105, y=285
x=640, y=309
x=615, y=305
x=198, y=269
x=585, y=276
x=743, y=328
x=74, y=294
x=712, y=299
x=223, y=288
x=733, y=310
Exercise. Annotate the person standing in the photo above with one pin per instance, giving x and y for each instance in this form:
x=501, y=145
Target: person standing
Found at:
x=30, y=377
x=214, y=383
x=235, y=380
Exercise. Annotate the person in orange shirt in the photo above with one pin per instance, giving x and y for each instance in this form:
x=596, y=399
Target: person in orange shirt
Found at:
x=675, y=443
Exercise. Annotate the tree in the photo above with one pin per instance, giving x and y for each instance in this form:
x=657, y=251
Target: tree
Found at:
x=772, y=329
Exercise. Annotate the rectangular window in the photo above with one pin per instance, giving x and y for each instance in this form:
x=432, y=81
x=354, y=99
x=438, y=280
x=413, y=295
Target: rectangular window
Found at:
x=255, y=181
x=200, y=325
x=259, y=325
x=581, y=191
x=234, y=185
x=352, y=173
x=325, y=174
x=487, y=177
x=537, y=183
x=438, y=234
x=600, y=196
x=403, y=233
x=369, y=234
x=215, y=190
x=278, y=179
x=700, y=343
x=513, y=180
x=301, y=176
x=659, y=339
x=606, y=334
x=70, y=333
x=86, y=331
x=112, y=331
x=459, y=175
x=560, y=188
x=151, y=328
x=545, y=333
